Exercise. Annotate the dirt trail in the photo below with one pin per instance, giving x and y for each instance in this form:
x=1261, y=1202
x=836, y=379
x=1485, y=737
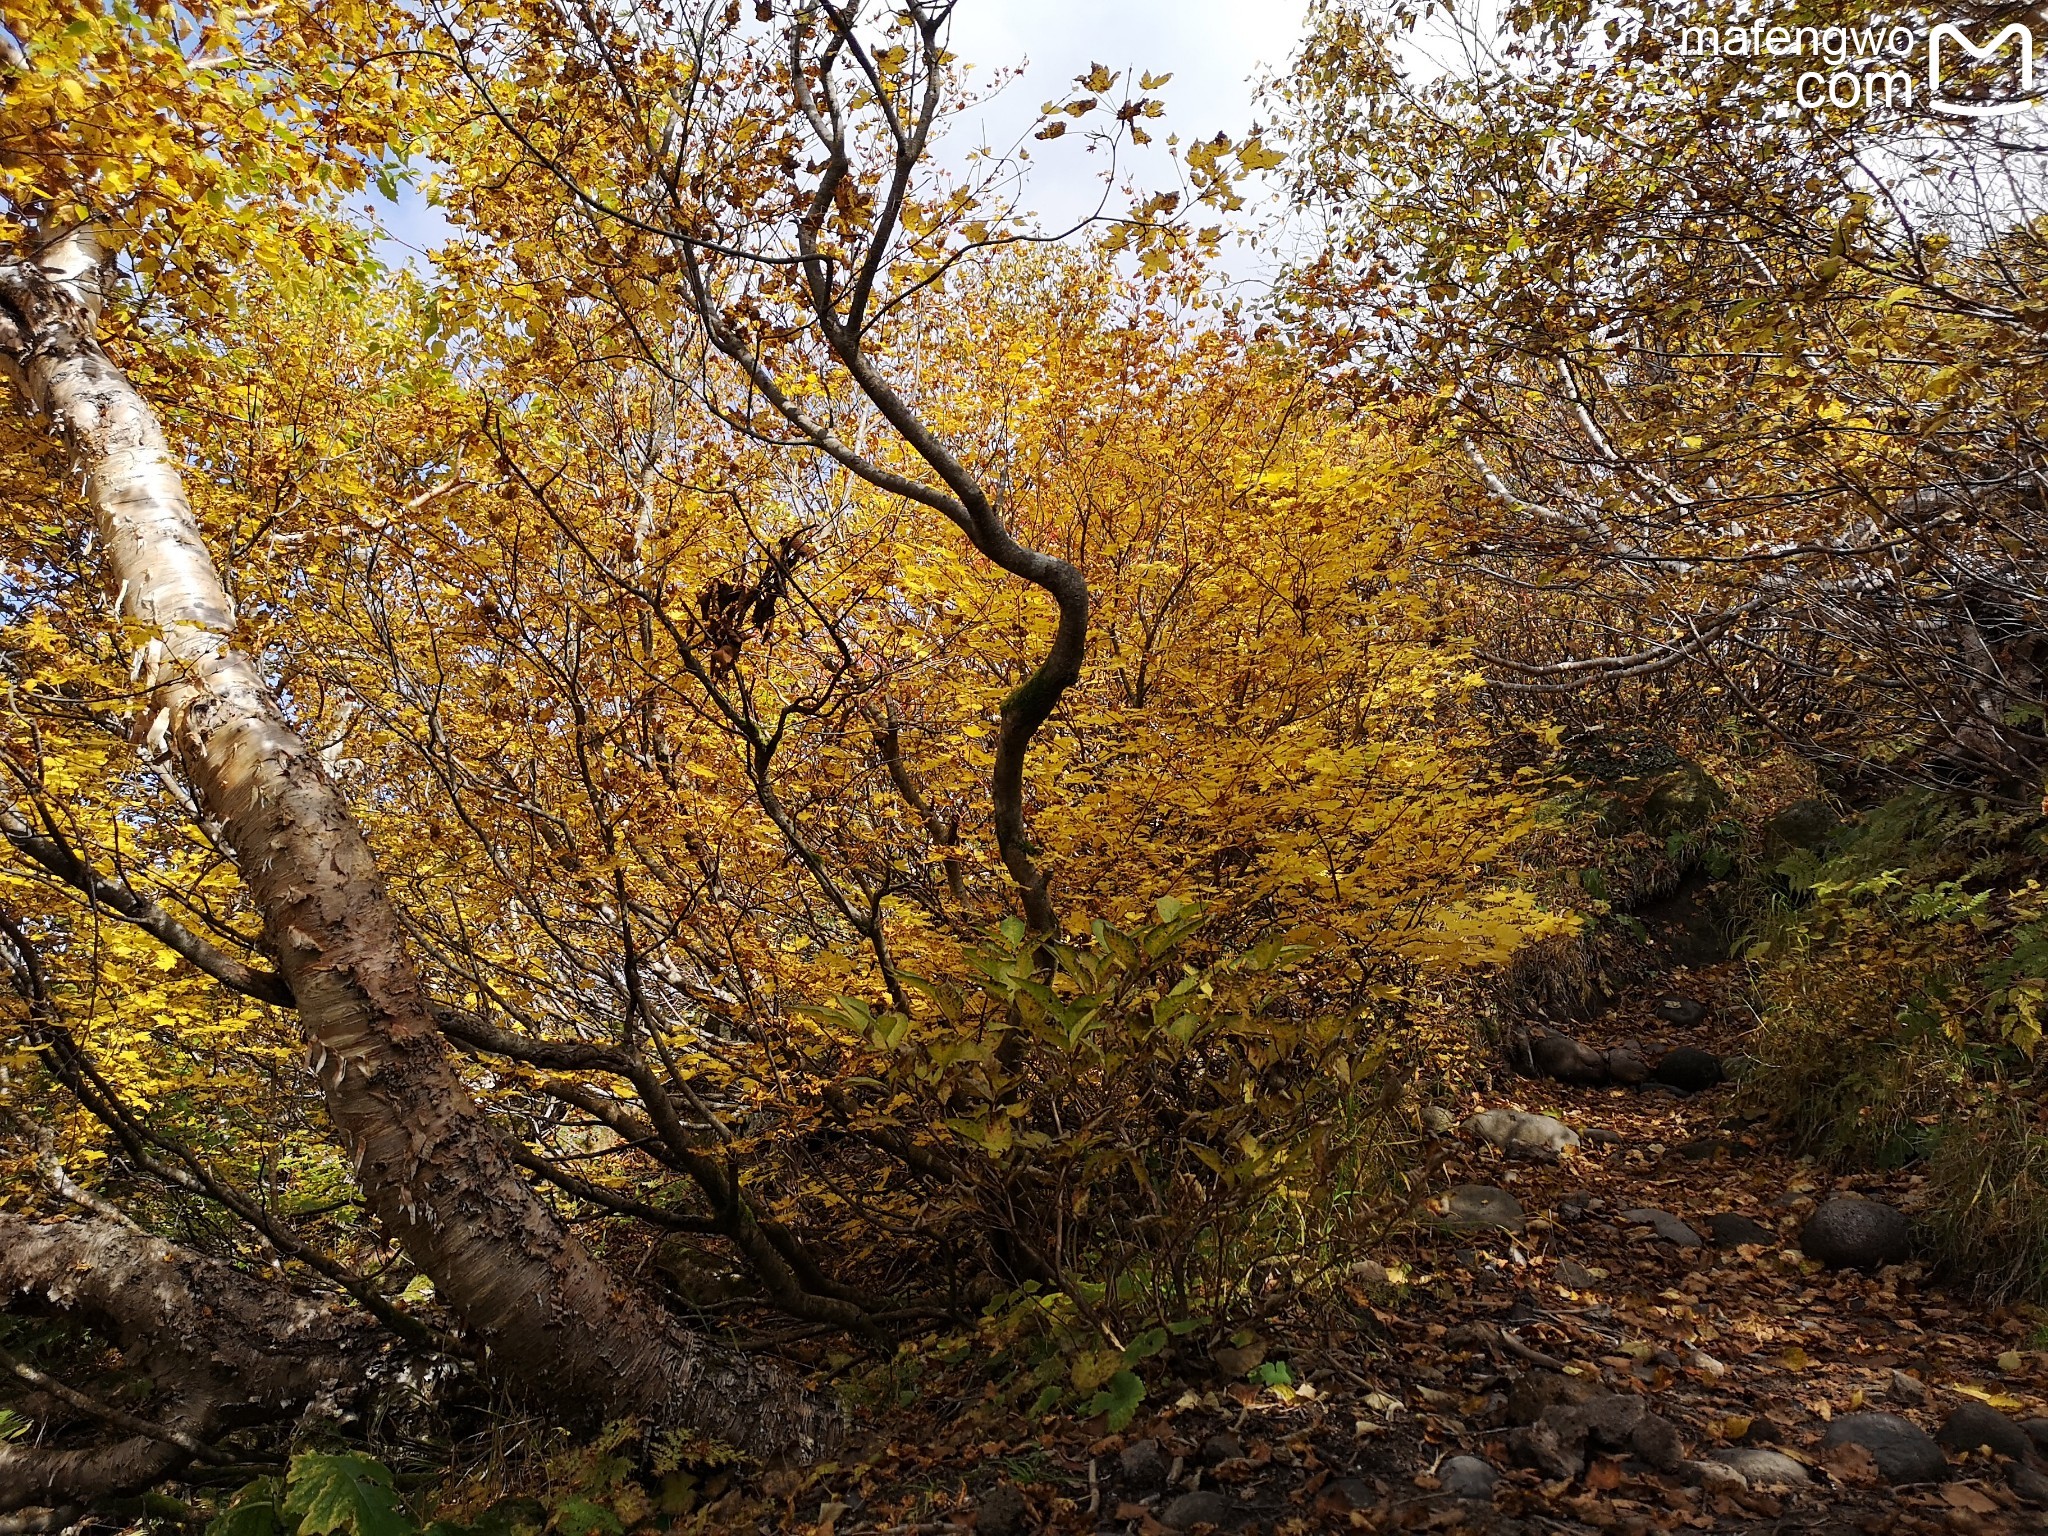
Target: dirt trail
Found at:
x=1748, y=1346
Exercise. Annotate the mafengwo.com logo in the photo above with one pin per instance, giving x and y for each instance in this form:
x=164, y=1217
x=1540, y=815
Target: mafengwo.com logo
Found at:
x=1985, y=73
x=1949, y=44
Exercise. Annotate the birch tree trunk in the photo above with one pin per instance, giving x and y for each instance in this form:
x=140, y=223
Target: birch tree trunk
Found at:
x=553, y=1322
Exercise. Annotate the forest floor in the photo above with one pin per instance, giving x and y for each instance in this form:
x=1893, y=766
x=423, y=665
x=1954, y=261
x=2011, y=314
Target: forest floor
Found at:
x=1734, y=1346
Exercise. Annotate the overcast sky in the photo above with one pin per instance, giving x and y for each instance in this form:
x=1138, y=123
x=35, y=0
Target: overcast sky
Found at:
x=1212, y=48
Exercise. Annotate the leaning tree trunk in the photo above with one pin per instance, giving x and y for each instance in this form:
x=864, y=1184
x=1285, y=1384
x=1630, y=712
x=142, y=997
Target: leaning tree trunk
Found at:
x=552, y=1320
x=218, y=1347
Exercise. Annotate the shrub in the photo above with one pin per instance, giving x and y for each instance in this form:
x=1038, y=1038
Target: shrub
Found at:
x=1157, y=1128
x=1900, y=993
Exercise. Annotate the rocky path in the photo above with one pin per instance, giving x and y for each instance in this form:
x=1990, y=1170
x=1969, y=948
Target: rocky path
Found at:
x=1628, y=1311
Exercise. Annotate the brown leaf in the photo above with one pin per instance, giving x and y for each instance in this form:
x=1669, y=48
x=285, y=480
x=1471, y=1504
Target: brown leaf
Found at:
x=1852, y=1464
x=1963, y=1496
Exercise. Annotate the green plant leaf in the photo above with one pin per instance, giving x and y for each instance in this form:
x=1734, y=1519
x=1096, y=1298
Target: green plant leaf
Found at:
x=1119, y=1399
x=580, y=1517
x=348, y=1493
x=253, y=1511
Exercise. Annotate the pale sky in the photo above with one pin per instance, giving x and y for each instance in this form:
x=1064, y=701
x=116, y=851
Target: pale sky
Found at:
x=1212, y=48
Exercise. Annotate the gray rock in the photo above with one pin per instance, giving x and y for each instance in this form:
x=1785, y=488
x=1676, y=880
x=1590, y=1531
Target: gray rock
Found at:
x=1761, y=1468
x=1513, y=1131
x=1535, y=1392
x=1763, y=1430
x=1688, y=1069
x=1657, y=1441
x=1574, y=1274
x=1556, y=1444
x=1714, y=1475
x=1221, y=1447
x=1002, y=1512
x=1806, y=824
x=1731, y=1229
x=1476, y=1207
x=1683, y=799
x=1910, y=1389
x=1562, y=1057
x=1600, y=1136
x=1436, y=1119
x=1666, y=1226
x=1975, y=1424
x=1345, y=1494
x=1142, y=1466
x=1682, y=1011
x=2037, y=1431
x=1626, y=1067
x=1903, y=1451
x=1370, y=1274
x=1467, y=1477
x=2029, y=1484
x=1204, y=1508
x=1851, y=1233
x=1540, y=1445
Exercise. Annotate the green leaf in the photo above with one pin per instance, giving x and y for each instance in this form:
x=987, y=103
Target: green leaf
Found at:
x=580, y=1517
x=1145, y=1345
x=251, y=1512
x=1274, y=1373
x=1119, y=1399
x=348, y=1493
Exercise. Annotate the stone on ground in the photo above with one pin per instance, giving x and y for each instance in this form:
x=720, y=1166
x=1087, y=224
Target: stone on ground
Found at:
x=1806, y=824
x=1002, y=1512
x=1682, y=799
x=1682, y=1011
x=1513, y=1131
x=1142, y=1466
x=1221, y=1447
x=1714, y=1475
x=1762, y=1468
x=1731, y=1229
x=1903, y=1451
x=1688, y=1069
x=1666, y=1226
x=1556, y=1444
x=1345, y=1495
x=1204, y=1508
x=1853, y=1233
x=1627, y=1067
x=1535, y=1391
x=1467, y=1477
x=1574, y=1274
x=1976, y=1424
x=2029, y=1484
x=1562, y=1057
x=2037, y=1431
x=1476, y=1207
x=1437, y=1119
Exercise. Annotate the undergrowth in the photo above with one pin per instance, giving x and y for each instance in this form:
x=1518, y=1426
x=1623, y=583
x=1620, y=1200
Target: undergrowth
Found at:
x=1899, y=980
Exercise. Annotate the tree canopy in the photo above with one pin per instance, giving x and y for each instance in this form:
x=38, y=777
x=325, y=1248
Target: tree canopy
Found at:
x=761, y=758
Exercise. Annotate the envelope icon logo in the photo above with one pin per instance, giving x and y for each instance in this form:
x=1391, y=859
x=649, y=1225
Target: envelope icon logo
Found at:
x=1960, y=44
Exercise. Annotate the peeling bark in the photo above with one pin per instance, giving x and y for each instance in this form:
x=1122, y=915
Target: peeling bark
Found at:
x=550, y=1318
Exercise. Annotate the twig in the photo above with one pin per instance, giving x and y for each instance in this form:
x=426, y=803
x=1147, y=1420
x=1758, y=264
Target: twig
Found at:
x=108, y=1414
